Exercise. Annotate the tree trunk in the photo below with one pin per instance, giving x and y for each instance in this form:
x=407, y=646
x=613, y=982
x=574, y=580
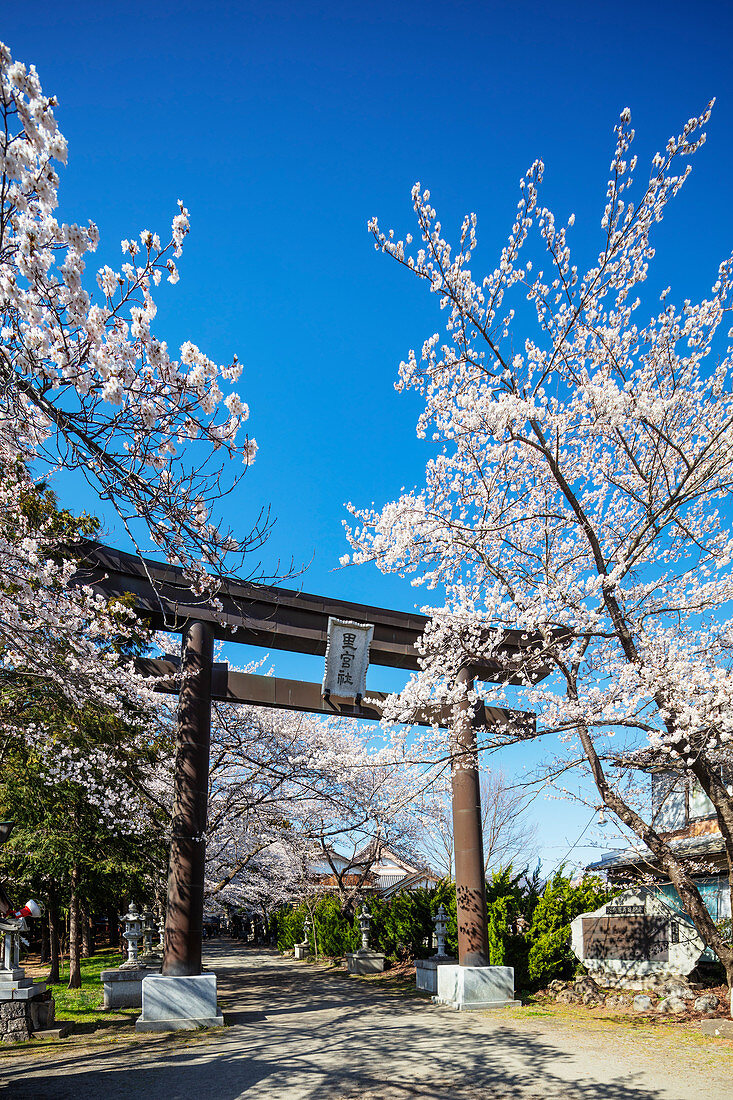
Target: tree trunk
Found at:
x=45, y=954
x=53, y=940
x=74, y=933
x=87, y=933
x=113, y=916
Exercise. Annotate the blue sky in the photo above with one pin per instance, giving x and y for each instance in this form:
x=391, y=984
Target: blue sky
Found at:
x=284, y=127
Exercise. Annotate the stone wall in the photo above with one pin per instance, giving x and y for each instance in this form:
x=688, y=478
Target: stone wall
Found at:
x=15, y=1024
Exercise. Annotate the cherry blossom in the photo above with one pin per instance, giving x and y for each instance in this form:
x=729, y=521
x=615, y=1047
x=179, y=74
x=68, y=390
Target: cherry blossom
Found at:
x=577, y=490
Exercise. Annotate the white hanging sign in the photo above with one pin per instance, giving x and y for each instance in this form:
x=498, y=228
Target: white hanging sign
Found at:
x=347, y=658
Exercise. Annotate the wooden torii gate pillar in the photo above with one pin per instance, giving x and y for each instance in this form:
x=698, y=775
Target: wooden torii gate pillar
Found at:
x=468, y=845
x=185, y=910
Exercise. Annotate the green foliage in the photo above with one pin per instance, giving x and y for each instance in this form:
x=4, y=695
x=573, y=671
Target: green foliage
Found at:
x=84, y=1006
x=550, y=955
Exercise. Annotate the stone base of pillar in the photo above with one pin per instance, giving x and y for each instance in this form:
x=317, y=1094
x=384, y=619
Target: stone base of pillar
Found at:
x=179, y=1004
x=124, y=988
x=302, y=951
x=365, y=962
x=476, y=987
x=426, y=971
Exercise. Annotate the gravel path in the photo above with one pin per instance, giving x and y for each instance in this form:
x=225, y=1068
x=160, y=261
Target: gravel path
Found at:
x=300, y=1033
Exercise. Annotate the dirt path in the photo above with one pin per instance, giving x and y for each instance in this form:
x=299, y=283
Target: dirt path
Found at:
x=301, y=1033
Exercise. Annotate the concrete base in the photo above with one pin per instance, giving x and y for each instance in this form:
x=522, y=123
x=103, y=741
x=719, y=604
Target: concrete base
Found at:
x=302, y=951
x=722, y=1028
x=124, y=988
x=426, y=971
x=179, y=1004
x=476, y=987
x=365, y=962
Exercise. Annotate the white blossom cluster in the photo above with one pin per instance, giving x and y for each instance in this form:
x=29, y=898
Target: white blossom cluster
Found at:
x=84, y=381
x=284, y=784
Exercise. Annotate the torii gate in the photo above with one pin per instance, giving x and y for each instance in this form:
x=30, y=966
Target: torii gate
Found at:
x=279, y=618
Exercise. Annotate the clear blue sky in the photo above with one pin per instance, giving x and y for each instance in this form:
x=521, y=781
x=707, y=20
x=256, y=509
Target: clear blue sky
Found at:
x=285, y=126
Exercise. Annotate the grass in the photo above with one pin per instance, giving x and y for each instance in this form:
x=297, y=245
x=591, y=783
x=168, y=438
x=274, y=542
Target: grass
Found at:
x=83, y=1007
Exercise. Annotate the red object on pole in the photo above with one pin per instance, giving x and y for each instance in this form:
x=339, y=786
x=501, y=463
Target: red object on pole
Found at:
x=473, y=936
x=184, y=915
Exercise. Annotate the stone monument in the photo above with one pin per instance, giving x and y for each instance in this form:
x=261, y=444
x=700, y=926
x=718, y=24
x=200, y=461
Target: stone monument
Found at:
x=635, y=938
x=123, y=985
x=365, y=961
x=426, y=970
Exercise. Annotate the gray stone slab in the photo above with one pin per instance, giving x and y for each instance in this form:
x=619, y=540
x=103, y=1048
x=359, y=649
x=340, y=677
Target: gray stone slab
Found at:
x=723, y=1029
x=175, y=1004
x=365, y=962
x=124, y=988
x=476, y=987
x=426, y=971
x=28, y=992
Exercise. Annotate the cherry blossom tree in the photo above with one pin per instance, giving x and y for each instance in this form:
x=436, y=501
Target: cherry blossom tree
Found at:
x=578, y=490
x=285, y=786
x=87, y=386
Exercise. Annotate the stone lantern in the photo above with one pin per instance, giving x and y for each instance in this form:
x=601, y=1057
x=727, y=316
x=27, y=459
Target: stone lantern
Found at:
x=440, y=921
x=365, y=922
x=133, y=932
x=426, y=970
x=148, y=930
x=365, y=961
x=302, y=950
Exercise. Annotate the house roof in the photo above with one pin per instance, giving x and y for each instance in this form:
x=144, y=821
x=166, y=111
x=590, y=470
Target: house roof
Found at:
x=376, y=852
x=688, y=847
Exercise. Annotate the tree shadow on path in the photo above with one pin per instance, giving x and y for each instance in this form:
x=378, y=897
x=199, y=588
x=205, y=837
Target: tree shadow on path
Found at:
x=300, y=1034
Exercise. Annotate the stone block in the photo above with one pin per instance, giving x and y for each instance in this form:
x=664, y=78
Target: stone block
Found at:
x=177, y=1004
x=721, y=1028
x=642, y=1003
x=49, y=1034
x=124, y=988
x=301, y=951
x=27, y=993
x=426, y=971
x=43, y=1013
x=476, y=987
x=365, y=962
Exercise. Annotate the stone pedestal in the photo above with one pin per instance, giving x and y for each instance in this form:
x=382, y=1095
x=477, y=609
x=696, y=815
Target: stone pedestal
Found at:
x=476, y=987
x=426, y=971
x=179, y=1004
x=365, y=962
x=14, y=986
x=123, y=988
x=301, y=951
x=25, y=1006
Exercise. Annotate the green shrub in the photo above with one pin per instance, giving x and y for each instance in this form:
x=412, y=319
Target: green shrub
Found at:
x=550, y=955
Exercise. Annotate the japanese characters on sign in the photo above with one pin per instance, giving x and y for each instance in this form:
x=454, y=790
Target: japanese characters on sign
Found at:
x=347, y=658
